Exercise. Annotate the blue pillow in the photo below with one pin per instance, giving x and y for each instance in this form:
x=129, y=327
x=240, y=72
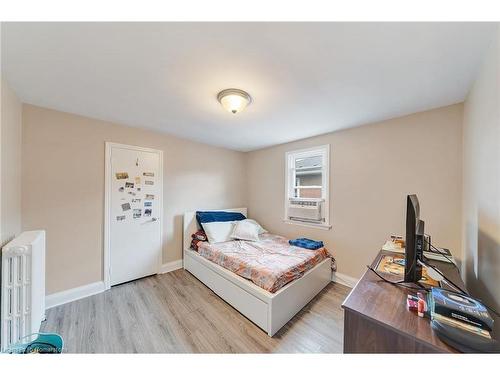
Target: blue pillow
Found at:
x=212, y=216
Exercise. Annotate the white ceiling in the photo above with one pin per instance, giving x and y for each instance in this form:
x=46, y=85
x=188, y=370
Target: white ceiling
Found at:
x=305, y=78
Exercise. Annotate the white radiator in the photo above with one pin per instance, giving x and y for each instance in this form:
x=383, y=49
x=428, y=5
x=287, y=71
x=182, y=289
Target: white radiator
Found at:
x=22, y=286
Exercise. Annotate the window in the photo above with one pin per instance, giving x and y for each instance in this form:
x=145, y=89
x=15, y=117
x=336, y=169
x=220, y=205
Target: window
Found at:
x=306, y=198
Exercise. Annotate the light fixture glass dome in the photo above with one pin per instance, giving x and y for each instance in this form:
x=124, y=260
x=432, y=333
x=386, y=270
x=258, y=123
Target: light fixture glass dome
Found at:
x=234, y=100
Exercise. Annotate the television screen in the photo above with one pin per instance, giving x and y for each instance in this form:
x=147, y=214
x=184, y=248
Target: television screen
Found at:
x=414, y=240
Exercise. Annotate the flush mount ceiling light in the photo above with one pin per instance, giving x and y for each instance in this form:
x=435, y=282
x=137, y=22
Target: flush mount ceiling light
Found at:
x=234, y=100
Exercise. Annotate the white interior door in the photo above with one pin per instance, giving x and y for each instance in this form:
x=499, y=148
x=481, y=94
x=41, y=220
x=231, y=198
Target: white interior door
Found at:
x=134, y=194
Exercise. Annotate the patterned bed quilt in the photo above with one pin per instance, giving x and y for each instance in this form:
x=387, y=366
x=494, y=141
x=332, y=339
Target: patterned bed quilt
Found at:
x=270, y=263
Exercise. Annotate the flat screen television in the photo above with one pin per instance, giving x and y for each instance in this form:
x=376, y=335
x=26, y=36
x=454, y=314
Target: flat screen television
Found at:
x=414, y=242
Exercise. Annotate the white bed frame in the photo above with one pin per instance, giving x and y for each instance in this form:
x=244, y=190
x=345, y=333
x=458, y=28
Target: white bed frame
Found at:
x=269, y=311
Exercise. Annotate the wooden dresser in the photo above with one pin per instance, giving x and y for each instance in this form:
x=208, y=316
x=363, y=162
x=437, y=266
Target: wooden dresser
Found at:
x=376, y=319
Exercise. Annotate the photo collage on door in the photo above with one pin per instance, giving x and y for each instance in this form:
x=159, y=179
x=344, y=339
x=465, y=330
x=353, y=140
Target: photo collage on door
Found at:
x=136, y=200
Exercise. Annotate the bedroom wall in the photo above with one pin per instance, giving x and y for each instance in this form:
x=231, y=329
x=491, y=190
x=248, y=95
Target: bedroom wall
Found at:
x=63, y=187
x=10, y=185
x=373, y=168
x=481, y=226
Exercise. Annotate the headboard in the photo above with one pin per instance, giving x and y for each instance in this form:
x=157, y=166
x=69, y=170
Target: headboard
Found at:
x=190, y=224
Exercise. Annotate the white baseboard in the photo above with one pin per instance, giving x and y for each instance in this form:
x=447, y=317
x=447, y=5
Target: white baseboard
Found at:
x=70, y=295
x=344, y=279
x=171, y=266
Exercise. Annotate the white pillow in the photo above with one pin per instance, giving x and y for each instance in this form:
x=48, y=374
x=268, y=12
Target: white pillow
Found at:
x=245, y=230
x=261, y=230
x=218, y=231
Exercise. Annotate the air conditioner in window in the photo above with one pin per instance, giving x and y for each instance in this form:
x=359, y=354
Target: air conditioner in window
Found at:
x=308, y=210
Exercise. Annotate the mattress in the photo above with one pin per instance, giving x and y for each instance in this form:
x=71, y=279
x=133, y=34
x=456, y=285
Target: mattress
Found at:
x=269, y=263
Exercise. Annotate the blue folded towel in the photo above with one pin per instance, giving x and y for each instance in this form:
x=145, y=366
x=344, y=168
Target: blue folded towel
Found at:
x=306, y=243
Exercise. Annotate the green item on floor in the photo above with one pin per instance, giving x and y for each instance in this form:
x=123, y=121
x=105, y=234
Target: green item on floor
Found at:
x=43, y=343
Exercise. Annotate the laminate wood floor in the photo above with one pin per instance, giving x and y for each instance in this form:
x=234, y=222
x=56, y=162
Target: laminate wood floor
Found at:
x=176, y=313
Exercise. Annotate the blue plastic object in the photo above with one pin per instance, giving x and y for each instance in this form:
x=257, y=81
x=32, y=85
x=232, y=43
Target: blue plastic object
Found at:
x=306, y=243
x=44, y=343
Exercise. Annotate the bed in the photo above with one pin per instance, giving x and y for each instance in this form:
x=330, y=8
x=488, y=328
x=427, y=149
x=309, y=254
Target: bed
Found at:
x=269, y=309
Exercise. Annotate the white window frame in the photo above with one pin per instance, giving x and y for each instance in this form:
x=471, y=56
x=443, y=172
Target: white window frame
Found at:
x=290, y=158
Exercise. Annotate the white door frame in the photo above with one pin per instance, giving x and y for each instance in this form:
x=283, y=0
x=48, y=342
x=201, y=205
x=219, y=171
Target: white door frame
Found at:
x=107, y=206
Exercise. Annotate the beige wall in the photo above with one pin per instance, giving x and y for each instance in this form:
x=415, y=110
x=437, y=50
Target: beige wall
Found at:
x=10, y=189
x=63, y=187
x=371, y=173
x=373, y=168
x=481, y=227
